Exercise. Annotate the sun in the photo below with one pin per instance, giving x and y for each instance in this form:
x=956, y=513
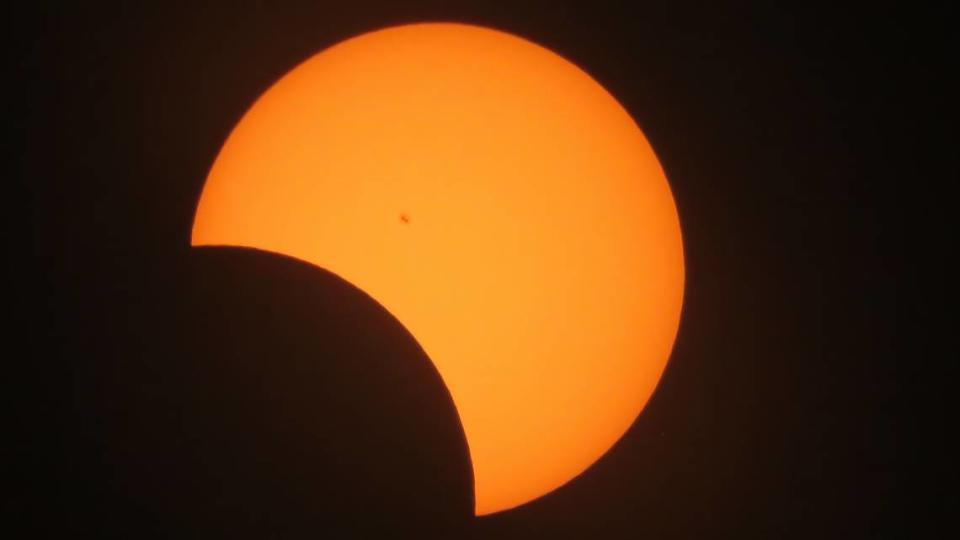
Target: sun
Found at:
x=500, y=204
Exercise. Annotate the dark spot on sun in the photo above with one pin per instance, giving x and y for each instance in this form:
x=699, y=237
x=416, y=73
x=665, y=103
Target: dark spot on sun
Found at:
x=404, y=217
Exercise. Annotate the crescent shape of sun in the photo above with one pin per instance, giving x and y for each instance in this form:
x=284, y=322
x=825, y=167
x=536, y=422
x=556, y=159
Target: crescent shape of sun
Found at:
x=499, y=203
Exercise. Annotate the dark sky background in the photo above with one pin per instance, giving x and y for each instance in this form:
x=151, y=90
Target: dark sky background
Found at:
x=224, y=393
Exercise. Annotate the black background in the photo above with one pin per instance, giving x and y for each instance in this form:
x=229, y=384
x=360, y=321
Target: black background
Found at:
x=229, y=393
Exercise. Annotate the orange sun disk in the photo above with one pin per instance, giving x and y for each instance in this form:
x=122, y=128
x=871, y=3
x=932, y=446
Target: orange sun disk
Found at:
x=500, y=204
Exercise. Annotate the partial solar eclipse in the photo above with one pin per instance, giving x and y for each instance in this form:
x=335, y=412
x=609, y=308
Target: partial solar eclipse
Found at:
x=500, y=204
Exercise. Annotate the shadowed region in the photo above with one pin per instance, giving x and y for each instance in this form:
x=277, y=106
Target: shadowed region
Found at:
x=279, y=400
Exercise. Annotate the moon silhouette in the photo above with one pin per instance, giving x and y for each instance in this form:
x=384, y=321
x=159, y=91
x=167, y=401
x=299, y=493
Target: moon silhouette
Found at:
x=500, y=204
